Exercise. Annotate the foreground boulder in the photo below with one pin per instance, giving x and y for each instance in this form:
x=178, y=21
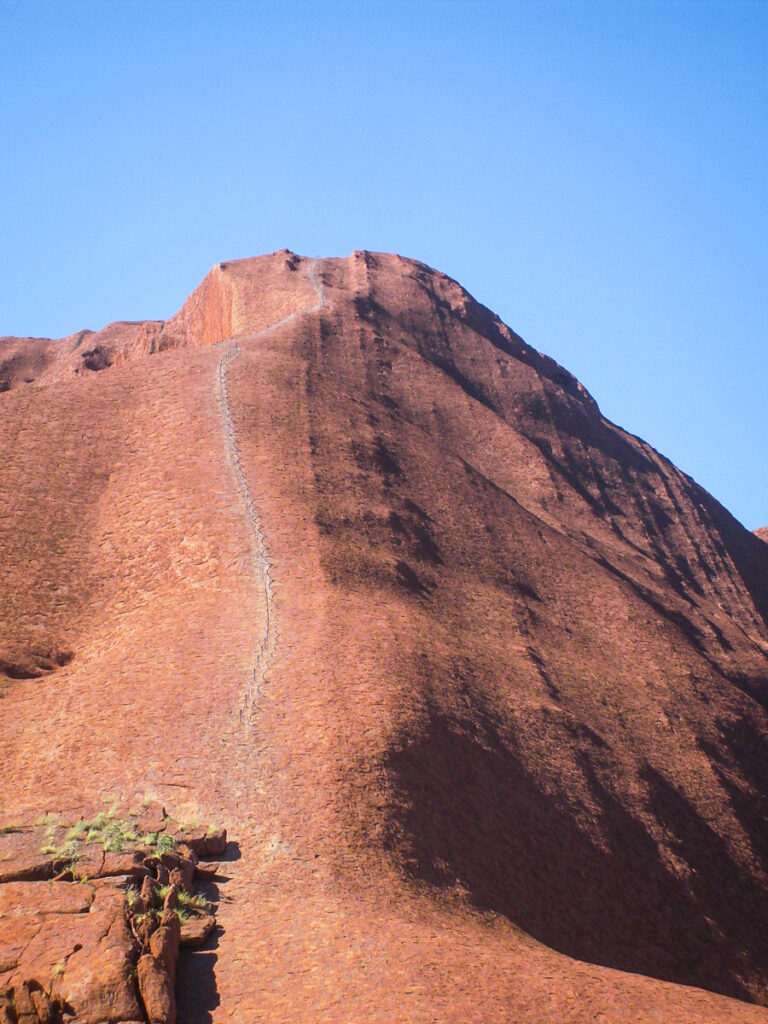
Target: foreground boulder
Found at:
x=70, y=945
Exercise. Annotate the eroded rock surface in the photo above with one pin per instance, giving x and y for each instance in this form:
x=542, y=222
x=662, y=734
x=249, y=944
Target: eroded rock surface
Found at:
x=86, y=937
x=480, y=675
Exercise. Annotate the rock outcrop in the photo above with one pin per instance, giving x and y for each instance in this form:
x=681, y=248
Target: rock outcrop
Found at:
x=480, y=677
x=84, y=934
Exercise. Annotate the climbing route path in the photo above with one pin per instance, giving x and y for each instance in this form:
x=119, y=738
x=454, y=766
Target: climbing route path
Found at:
x=262, y=568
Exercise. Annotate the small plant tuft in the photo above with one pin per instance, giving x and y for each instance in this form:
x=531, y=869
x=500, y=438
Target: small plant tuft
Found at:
x=117, y=834
x=161, y=892
x=198, y=901
x=166, y=844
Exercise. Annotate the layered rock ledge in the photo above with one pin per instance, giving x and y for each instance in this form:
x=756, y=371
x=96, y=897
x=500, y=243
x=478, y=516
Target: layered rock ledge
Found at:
x=93, y=916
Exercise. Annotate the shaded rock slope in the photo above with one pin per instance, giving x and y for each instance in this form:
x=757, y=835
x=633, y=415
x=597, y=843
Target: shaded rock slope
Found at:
x=479, y=679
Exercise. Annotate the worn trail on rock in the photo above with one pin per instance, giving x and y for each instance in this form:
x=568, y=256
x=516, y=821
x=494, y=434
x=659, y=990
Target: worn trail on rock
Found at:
x=261, y=565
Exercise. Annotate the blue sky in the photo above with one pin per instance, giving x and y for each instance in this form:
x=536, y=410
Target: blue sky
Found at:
x=596, y=173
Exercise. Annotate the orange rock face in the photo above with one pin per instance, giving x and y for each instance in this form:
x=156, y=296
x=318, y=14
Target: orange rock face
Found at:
x=477, y=680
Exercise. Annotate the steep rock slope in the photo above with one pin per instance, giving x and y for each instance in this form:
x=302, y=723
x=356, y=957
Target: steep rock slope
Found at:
x=510, y=710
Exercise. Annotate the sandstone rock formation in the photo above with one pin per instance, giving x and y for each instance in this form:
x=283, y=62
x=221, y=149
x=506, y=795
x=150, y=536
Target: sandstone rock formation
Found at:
x=479, y=678
x=79, y=940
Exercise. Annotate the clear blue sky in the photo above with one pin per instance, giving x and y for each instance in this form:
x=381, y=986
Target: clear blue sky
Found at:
x=596, y=173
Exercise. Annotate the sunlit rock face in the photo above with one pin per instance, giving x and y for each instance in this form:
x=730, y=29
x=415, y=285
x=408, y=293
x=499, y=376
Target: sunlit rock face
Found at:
x=476, y=680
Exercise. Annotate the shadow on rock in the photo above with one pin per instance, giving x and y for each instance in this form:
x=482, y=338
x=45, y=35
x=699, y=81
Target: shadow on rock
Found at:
x=470, y=809
x=196, y=989
x=231, y=853
x=197, y=993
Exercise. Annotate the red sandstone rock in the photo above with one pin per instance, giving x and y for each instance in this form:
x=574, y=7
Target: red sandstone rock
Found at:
x=24, y=1007
x=508, y=721
x=170, y=860
x=157, y=869
x=171, y=900
x=18, y=898
x=196, y=929
x=164, y=943
x=144, y=927
x=89, y=864
x=96, y=981
x=147, y=894
x=43, y=1006
x=21, y=869
x=207, y=870
x=156, y=991
x=207, y=844
x=151, y=817
x=186, y=852
x=7, y=1016
x=215, y=843
x=182, y=878
x=126, y=863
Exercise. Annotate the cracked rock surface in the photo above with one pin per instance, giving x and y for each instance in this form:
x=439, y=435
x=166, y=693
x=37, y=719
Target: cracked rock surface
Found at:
x=80, y=936
x=481, y=678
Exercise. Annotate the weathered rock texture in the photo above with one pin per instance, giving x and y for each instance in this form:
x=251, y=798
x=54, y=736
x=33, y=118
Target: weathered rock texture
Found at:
x=482, y=679
x=74, y=923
